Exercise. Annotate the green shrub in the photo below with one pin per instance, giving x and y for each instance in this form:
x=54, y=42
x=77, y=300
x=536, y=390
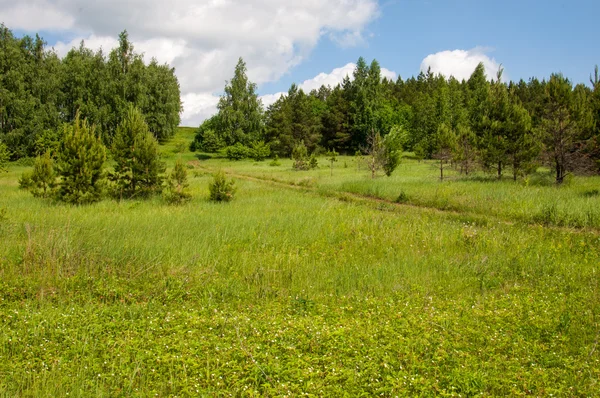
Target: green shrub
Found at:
x=237, y=152
x=260, y=151
x=302, y=161
x=4, y=156
x=275, y=162
x=41, y=181
x=221, y=190
x=402, y=197
x=177, y=184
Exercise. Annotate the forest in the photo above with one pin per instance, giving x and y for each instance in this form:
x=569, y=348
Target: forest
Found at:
x=503, y=128
x=39, y=92
x=264, y=252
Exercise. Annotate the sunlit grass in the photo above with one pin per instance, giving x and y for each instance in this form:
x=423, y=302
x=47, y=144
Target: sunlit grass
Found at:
x=286, y=291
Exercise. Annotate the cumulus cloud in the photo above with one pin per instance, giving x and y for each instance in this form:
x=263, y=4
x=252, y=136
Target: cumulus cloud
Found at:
x=461, y=63
x=202, y=40
x=331, y=79
x=34, y=15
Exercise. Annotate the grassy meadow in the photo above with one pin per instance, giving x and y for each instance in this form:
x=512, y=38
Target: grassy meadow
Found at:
x=306, y=284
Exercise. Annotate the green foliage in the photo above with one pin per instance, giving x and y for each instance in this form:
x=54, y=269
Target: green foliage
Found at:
x=275, y=162
x=206, y=138
x=240, y=111
x=80, y=164
x=332, y=157
x=302, y=161
x=445, y=146
x=220, y=189
x=375, y=153
x=138, y=168
x=177, y=184
x=465, y=150
x=561, y=126
x=41, y=182
x=260, y=151
x=4, y=157
x=237, y=151
x=49, y=141
x=40, y=92
x=313, y=162
x=293, y=118
x=393, y=146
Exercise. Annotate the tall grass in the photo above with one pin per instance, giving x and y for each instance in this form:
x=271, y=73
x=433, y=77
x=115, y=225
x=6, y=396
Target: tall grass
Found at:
x=285, y=292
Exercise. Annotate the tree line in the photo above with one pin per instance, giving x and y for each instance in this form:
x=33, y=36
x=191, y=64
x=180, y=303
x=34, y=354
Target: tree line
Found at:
x=482, y=122
x=39, y=92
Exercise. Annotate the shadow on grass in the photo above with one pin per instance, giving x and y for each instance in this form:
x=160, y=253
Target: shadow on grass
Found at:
x=203, y=156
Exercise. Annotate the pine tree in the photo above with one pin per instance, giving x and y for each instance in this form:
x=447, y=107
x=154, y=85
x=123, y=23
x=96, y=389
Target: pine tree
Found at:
x=522, y=144
x=177, y=184
x=445, y=144
x=465, y=153
x=80, y=164
x=560, y=127
x=135, y=150
x=493, y=127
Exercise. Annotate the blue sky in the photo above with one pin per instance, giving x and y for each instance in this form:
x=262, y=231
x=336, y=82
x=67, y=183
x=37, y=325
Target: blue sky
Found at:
x=529, y=38
x=285, y=41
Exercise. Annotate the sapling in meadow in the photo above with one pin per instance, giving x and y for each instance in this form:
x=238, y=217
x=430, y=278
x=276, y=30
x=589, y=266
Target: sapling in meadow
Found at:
x=80, y=164
x=332, y=157
x=177, y=184
x=221, y=189
x=41, y=181
x=300, y=157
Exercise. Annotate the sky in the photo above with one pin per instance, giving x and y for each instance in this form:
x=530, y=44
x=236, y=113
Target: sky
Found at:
x=314, y=42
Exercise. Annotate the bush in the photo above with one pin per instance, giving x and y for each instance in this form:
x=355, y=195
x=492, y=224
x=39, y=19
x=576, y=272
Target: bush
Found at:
x=237, y=152
x=221, y=190
x=301, y=159
x=41, y=182
x=275, y=162
x=4, y=156
x=177, y=184
x=260, y=151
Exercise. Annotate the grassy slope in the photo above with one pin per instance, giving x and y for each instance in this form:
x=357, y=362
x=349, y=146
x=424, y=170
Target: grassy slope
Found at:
x=282, y=292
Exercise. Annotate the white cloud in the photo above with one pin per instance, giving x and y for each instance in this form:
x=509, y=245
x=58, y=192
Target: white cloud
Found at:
x=331, y=79
x=34, y=16
x=201, y=39
x=198, y=107
x=94, y=42
x=270, y=99
x=461, y=63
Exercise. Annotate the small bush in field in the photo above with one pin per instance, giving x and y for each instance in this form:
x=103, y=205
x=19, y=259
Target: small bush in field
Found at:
x=275, y=162
x=177, y=185
x=260, y=151
x=221, y=189
x=41, y=181
x=237, y=152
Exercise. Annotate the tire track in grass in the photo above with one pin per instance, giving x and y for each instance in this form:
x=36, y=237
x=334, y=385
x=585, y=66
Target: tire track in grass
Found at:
x=389, y=205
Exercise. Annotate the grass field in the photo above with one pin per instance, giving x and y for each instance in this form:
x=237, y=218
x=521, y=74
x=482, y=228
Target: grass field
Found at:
x=305, y=284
